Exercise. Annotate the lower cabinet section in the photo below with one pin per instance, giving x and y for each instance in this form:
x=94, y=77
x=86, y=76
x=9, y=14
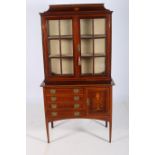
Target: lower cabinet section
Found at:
x=84, y=101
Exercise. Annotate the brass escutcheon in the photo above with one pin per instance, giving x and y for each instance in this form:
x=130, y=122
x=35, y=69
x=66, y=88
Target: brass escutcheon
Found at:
x=53, y=98
x=52, y=91
x=75, y=90
x=54, y=113
x=53, y=106
x=76, y=98
x=76, y=113
x=76, y=105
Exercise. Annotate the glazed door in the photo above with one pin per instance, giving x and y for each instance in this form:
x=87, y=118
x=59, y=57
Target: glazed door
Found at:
x=60, y=47
x=98, y=100
x=93, y=37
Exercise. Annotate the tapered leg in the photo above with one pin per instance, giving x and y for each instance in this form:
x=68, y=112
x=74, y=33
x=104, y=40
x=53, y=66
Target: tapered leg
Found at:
x=52, y=124
x=110, y=131
x=106, y=124
x=47, y=132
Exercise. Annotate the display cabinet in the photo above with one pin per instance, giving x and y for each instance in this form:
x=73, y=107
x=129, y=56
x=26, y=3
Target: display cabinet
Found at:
x=77, y=62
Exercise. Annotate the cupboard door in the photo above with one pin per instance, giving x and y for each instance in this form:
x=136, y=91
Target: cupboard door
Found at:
x=93, y=46
x=60, y=47
x=98, y=100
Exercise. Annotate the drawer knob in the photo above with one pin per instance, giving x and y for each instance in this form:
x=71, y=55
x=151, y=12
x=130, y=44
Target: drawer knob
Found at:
x=52, y=91
x=53, y=98
x=76, y=113
x=54, y=114
x=53, y=106
x=76, y=90
x=76, y=98
x=76, y=105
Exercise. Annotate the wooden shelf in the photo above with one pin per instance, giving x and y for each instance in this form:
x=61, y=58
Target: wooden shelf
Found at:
x=93, y=36
x=60, y=37
x=62, y=56
x=91, y=55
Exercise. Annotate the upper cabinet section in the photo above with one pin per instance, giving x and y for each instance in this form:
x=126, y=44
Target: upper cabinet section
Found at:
x=77, y=43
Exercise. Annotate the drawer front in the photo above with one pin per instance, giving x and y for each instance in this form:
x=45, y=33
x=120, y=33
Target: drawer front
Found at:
x=64, y=91
x=66, y=105
x=65, y=99
x=66, y=114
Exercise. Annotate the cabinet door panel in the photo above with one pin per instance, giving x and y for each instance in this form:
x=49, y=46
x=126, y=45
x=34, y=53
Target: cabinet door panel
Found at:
x=93, y=46
x=100, y=26
x=98, y=68
x=60, y=47
x=86, y=26
x=53, y=27
x=87, y=66
x=98, y=100
x=55, y=66
x=67, y=66
x=54, y=48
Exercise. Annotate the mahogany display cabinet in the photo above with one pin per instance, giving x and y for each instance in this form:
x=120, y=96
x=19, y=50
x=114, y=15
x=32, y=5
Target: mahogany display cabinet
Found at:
x=77, y=63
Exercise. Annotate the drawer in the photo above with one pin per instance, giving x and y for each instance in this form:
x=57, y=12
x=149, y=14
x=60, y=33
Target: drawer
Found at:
x=64, y=99
x=69, y=105
x=63, y=91
x=66, y=114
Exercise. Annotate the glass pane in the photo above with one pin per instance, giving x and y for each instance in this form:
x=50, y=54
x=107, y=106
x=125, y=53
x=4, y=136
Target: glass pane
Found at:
x=67, y=47
x=86, y=26
x=53, y=27
x=100, y=26
x=87, y=65
x=100, y=46
x=99, y=65
x=54, y=48
x=67, y=66
x=66, y=27
x=55, y=66
x=86, y=47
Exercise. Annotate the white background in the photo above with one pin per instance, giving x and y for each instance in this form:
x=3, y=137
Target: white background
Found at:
x=12, y=111
x=35, y=73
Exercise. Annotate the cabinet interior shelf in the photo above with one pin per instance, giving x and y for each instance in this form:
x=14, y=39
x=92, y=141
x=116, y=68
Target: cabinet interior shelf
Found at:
x=82, y=56
x=60, y=37
x=91, y=55
x=82, y=36
x=97, y=36
x=62, y=56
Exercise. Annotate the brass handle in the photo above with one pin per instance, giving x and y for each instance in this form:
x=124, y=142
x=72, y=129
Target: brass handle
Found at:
x=52, y=91
x=54, y=114
x=76, y=105
x=53, y=106
x=53, y=98
x=76, y=98
x=75, y=90
x=76, y=113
